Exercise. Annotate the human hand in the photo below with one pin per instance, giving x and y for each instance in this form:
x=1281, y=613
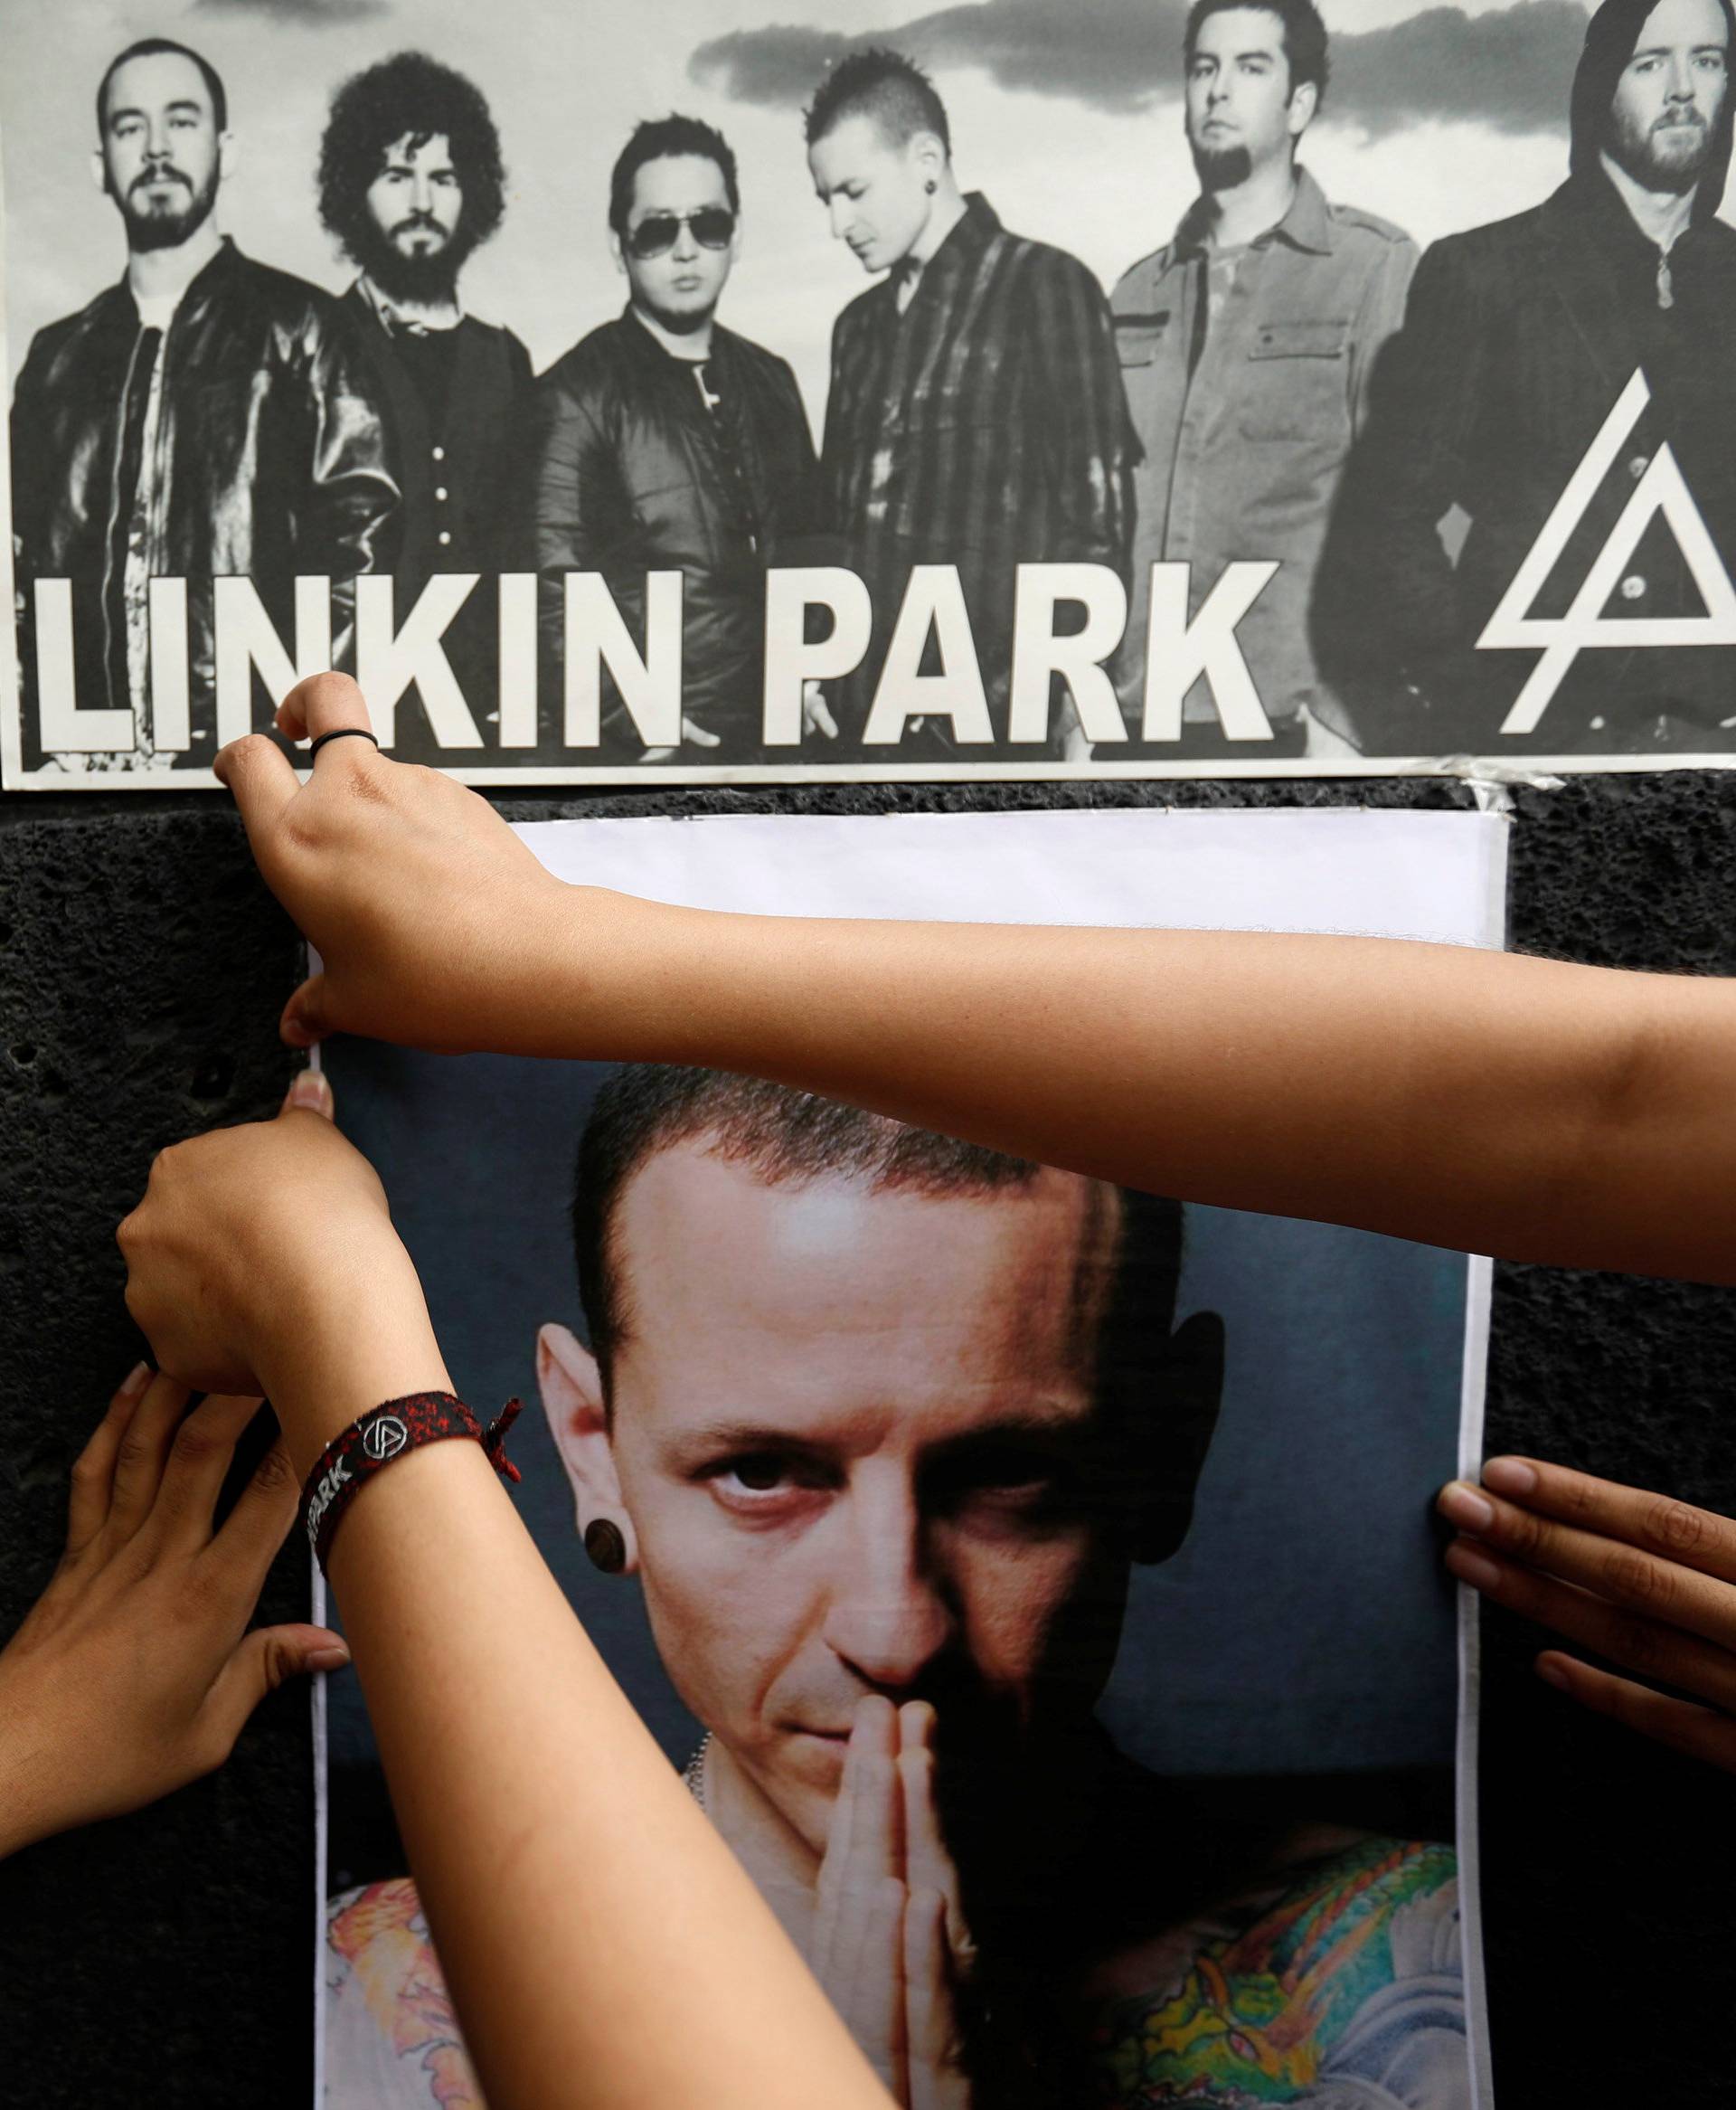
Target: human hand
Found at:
x=888, y=1935
x=693, y=733
x=134, y=1672
x=431, y=918
x=816, y=714
x=263, y=1259
x=1070, y=732
x=1636, y=1578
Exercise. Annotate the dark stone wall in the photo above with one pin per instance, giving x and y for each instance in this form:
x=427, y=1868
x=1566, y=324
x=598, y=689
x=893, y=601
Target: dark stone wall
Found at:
x=165, y=1958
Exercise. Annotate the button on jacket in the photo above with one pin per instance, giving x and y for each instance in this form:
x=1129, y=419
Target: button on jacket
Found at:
x=463, y=508
x=635, y=474
x=268, y=463
x=1243, y=454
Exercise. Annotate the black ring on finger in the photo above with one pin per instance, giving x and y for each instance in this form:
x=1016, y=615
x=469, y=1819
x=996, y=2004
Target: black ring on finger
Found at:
x=341, y=733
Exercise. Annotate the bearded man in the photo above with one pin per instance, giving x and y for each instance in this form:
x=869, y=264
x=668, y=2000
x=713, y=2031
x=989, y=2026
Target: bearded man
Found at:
x=411, y=185
x=1520, y=342
x=206, y=417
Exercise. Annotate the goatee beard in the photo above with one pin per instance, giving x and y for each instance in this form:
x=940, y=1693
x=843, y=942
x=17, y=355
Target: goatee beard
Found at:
x=1223, y=169
x=427, y=281
x=147, y=232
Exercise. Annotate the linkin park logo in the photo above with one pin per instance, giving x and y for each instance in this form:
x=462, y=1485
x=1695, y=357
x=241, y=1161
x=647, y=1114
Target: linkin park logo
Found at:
x=384, y=1438
x=1661, y=489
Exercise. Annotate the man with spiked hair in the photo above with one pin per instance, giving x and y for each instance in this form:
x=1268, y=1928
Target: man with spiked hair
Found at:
x=976, y=417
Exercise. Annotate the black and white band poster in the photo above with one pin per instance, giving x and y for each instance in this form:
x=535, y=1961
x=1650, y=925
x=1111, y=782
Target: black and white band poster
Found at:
x=1033, y=1580
x=716, y=391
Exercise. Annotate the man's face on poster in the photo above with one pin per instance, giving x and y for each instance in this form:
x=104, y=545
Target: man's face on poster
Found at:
x=857, y=1436
x=414, y=206
x=160, y=153
x=681, y=239
x=1671, y=94
x=1241, y=112
x=876, y=188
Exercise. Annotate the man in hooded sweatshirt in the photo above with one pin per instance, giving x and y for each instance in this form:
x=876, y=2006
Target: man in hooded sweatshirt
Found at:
x=1520, y=341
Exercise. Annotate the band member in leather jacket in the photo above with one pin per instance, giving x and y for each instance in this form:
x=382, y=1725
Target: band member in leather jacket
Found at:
x=204, y=418
x=665, y=442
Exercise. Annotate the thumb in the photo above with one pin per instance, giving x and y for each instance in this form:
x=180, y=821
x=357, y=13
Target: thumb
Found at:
x=305, y=1022
x=263, y=1661
x=312, y=1090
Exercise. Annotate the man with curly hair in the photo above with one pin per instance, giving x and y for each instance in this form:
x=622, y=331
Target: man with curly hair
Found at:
x=411, y=184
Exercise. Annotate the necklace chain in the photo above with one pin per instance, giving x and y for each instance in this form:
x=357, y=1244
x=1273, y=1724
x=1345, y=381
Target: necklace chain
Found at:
x=693, y=1772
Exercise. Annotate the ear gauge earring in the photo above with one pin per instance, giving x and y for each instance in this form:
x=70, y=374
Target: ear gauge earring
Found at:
x=606, y=1546
x=930, y=186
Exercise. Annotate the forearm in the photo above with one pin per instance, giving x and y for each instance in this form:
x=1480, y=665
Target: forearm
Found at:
x=1467, y=1099
x=601, y=1943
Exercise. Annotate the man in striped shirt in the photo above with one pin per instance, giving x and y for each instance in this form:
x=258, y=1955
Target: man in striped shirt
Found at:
x=975, y=420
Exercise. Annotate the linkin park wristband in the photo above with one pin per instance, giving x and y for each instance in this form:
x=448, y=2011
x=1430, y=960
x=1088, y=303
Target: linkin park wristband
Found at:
x=383, y=1435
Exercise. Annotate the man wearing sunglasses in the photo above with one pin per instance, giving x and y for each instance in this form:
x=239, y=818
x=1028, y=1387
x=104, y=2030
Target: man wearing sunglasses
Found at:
x=665, y=442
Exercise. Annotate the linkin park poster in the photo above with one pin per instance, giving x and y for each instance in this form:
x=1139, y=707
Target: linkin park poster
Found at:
x=712, y=390
x=863, y=1455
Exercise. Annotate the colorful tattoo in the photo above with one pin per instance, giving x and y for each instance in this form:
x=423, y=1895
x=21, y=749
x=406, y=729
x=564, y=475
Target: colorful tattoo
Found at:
x=1256, y=2016
x=382, y=1940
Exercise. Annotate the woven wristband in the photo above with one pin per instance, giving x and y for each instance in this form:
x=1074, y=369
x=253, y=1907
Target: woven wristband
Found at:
x=383, y=1434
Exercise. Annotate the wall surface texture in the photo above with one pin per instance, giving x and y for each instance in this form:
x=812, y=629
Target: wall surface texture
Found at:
x=167, y=1958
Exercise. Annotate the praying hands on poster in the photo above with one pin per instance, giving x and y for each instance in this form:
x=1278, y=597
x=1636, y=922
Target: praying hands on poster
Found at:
x=889, y=1938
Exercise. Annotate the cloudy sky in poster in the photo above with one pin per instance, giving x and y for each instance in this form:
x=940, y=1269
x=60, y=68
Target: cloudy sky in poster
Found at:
x=1068, y=117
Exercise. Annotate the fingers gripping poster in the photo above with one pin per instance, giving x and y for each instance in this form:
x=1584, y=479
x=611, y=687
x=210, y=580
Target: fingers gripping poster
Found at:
x=705, y=390
x=1032, y=1581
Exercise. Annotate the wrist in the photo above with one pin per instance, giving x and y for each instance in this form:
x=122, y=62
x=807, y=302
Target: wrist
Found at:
x=26, y=1814
x=342, y=1346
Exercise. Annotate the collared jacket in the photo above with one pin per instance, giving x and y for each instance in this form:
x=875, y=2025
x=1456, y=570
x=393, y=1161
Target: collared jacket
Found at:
x=1246, y=427
x=270, y=463
x=1519, y=341
x=982, y=427
x=633, y=474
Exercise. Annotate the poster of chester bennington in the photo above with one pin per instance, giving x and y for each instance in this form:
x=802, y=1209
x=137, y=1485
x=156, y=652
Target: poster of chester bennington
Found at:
x=711, y=389
x=1033, y=1580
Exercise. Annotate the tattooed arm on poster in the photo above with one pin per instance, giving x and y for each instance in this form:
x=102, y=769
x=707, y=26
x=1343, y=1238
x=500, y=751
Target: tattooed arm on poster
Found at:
x=889, y=1938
